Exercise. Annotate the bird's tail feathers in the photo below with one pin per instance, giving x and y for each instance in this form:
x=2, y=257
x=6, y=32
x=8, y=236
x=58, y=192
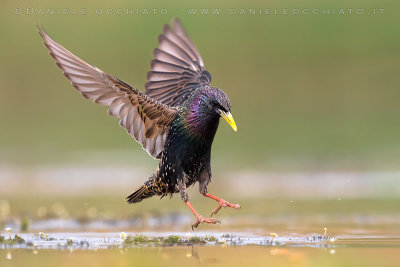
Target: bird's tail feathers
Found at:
x=141, y=193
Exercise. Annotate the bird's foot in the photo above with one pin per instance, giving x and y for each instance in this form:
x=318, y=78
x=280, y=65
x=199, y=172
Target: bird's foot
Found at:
x=200, y=219
x=224, y=204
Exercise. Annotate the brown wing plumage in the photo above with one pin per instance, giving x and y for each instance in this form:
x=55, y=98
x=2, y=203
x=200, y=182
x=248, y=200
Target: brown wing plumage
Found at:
x=177, y=68
x=146, y=119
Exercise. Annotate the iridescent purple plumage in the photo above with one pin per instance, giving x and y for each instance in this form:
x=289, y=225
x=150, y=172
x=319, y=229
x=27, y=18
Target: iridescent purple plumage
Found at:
x=200, y=111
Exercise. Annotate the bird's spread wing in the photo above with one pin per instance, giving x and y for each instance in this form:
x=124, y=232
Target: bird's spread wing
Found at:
x=177, y=68
x=146, y=119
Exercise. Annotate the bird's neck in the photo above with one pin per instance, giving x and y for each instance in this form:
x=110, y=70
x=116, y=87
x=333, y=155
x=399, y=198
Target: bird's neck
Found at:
x=200, y=125
x=198, y=120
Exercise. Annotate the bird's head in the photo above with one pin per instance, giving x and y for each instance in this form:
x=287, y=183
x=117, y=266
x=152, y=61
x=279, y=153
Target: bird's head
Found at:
x=215, y=102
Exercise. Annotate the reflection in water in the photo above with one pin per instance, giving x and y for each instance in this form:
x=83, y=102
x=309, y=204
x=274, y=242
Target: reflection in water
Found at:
x=101, y=241
x=293, y=251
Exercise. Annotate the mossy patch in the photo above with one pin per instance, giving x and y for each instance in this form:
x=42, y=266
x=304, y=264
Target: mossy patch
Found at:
x=172, y=239
x=211, y=238
x=12, y=241
x=197, y=240
x=139, y=239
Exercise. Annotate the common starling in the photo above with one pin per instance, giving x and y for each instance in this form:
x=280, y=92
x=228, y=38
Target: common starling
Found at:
x=175, y=120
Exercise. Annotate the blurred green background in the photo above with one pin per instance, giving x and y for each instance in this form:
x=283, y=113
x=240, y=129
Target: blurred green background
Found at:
x=315, y=98
x=307, y=91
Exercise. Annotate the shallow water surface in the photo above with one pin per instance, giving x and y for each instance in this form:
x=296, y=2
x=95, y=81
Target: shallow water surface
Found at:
x=201, y=249
x=97, y=230
x=371, y=252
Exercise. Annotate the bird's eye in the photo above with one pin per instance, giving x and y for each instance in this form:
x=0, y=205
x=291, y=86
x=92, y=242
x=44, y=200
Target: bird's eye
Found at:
x=218, y=106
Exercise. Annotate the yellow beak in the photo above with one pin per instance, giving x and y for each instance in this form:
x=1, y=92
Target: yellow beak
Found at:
x=229, y=119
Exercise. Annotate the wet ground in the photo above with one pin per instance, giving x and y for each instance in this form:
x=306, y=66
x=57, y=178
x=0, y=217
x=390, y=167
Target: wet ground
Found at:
x=316, y=232
x=326, y=220
x=200, y=249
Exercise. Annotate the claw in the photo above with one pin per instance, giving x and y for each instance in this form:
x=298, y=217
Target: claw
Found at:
x=223, y=203
x=200, y=219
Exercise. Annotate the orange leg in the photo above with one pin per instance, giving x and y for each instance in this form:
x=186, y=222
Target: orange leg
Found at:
x=221, y=203
x=200, y=218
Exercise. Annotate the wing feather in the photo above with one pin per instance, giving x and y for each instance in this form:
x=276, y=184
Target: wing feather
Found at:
x=146, y=119
x=177, y=68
